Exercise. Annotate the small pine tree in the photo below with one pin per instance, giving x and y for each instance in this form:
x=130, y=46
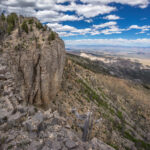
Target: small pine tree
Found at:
x=39, y=25
x=11, y=21
x=31, y=21
x=31, y=29
x=24, y=27
x=45, y=28
x=51, y=37
x=3, y=17
x=10, y=28
x=12, y=18
x=19, y=31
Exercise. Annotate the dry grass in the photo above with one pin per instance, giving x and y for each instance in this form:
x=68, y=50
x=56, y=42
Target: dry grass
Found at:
x=126, y=89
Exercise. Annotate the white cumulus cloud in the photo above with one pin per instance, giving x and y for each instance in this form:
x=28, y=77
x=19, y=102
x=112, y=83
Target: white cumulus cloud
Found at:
x=107, y=24
x=139, y=3
x=110, y=42
x=112, y=17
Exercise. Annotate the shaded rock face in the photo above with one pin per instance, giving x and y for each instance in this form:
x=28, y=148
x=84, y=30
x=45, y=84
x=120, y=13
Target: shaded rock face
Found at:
x=42, y=72
x=36, y=59
x=39, y=71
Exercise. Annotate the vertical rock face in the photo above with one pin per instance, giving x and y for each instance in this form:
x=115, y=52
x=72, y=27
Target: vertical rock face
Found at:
x=36, y=58
x=41, y=71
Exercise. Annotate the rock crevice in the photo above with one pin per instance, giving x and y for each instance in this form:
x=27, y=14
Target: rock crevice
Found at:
x=36, y=63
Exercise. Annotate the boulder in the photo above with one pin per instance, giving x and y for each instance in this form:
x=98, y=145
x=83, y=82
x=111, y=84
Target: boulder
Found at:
x=35, y=123
x=35, y=145
x=99, y=145
x=15, y=119
x=70, y=144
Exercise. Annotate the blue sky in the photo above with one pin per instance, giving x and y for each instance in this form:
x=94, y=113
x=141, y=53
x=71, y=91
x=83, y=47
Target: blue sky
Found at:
x=90, y=22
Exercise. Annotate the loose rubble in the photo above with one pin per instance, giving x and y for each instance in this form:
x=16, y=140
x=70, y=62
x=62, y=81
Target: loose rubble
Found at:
x=24, y=127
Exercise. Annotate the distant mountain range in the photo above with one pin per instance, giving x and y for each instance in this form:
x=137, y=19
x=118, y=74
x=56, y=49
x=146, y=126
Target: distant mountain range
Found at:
x=131, y=52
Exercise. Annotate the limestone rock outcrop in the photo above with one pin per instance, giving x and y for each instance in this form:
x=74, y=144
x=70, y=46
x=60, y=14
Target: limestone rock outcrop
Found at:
x=36, y=59
x=26, y=127
x=41, y=72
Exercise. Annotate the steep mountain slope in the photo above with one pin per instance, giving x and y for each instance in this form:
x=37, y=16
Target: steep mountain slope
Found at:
x=25, y=127
x=84, y=104
x=35, y=55
x=32, y=59
x=121, y=106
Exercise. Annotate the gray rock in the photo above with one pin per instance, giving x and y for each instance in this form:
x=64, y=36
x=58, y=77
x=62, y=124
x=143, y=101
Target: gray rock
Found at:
x=5, y=93
x=2, y=77
x=35, y=145
x=45, y=148
x=39, y=71
x=11, y=137
x=148, y=137
x=39, y=117
x=2, y=71
x=31, y=110
x=129, y=144
x=15, y=120
x=34, y=123
x=64, y=148
x=22, y=109
x=29, y=126
x=3, y=116
x=56, y=146
x=99, y=145
x=70, y=144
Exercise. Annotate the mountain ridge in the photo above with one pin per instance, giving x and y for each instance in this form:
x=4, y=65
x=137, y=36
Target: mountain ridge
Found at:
x=53, y=100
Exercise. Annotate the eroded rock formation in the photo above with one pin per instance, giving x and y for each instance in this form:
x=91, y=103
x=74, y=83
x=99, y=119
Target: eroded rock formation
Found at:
x=36, y=58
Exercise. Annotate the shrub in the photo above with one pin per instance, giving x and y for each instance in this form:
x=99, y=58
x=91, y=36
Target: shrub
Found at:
x=3, y=17
x=31, y=29
x=24, y=27
x=138, y=143
x=10, y=29
x=45, y=28
x=51, y=37
x=11, y=20
x=39, y=25
x=31, y=21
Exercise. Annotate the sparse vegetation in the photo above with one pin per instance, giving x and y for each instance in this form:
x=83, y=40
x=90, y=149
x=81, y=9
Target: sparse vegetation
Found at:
x=115, y=99
x=88, y=64
x=138, y=143
x=31, y=21
x=11, y=21
x=24, y=27
x=45, y=28
x=92, y=95
x=119, y=114
x=114, y=146
x=122, y=105
x=10, y=29
x=19, y=47
x=31, y=29
x=39, y=25
x=3, y=17
x=51, y=36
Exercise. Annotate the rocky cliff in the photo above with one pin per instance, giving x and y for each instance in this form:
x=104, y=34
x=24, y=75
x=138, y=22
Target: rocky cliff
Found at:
x=32, y=59
x=120, y=108
x=26, y=127
x=36, y=57
x=85, y=106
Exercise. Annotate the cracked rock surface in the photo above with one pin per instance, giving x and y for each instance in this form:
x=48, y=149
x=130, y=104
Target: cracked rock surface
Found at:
x=26, y=127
